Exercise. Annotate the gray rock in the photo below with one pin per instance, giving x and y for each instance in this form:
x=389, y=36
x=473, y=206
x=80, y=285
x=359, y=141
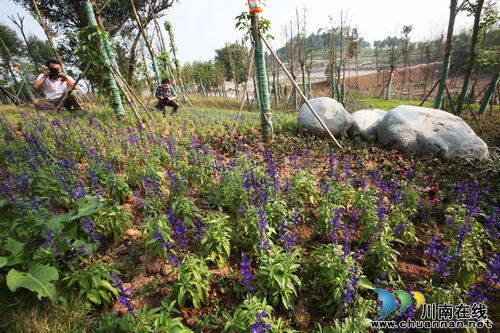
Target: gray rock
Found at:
x=420, y=131
x=366, y=121
x=333, y=114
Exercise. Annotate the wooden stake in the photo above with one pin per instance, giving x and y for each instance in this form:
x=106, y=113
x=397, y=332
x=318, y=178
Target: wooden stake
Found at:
x=430, y=92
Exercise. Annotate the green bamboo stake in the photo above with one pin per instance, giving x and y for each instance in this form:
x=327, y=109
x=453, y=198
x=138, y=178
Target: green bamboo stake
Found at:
x=113, y=87
x=489, y=93
x=262, y=84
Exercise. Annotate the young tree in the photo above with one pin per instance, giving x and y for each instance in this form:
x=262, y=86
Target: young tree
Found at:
x=376, y=46
x=447, y=54
x=394, y=54
x=406, y=57
x=302, y=48
x=331, y=52
x=476, y=10
x=291, y=51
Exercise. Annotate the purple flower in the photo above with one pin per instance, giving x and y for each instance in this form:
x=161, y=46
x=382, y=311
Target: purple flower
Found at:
x=492, y=274
x=336, y=225
x=49, y=243
x=166, y=246
x=124, y=297
x=440, y=257
x=271, y=167
x=262, y=225
x=89, y=226
x=288, y=235
x=199, y=229
x=245, y=272
x=331, y=164
x=476, y=295
x=179, y=229
x=400, y=228
x=491, y=225
x=176, y=183
x=469, y=195
x=259, y=326
x=347, y=169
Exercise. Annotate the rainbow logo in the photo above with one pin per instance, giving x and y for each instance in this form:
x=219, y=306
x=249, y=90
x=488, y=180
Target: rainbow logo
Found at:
x=389, y=301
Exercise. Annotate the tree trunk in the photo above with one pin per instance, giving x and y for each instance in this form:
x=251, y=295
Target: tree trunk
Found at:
x=389, y=83
x=447, y=55
x=472, y=57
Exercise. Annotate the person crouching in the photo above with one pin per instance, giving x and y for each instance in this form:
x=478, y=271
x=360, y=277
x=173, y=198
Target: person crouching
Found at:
x=166, y=97
x=56, y=85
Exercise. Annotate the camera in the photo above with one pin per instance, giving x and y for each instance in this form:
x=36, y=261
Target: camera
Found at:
x=53, y=71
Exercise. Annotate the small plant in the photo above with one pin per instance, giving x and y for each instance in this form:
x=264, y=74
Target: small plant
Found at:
x=157, y=319
x=94, y=282
x=112, y=221
x=245, y=314
x=381, y=257
x=215, y=245
x=193, y=282
x=303, y=190
x=277, y=276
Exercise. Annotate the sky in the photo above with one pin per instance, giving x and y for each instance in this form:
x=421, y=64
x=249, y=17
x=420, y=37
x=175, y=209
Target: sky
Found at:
x=202, y=26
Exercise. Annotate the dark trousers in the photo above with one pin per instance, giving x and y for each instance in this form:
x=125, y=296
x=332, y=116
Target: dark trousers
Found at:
x=165, y=102
x=70, y=103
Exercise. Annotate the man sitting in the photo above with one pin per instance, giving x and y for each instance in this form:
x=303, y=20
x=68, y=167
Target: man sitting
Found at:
x=166, y=97
x=55, y=85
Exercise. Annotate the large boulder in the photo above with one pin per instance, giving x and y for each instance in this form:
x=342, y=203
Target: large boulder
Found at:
x=333, y=114
x=366, y=121
x=419, y=131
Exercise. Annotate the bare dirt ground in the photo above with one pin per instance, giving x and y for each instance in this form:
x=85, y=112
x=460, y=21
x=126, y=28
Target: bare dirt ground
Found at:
x=413, y=83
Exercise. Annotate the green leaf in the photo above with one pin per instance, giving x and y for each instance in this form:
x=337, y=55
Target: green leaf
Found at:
x=94, y=297
x=56, y=222
x=37, y=280
x=16, y=250
x=3, y=261
x=365, y=283
x=87, y=206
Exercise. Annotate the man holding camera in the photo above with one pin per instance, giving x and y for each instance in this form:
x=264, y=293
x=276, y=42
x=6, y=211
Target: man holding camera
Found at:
x=166, y=97
x=55, y=85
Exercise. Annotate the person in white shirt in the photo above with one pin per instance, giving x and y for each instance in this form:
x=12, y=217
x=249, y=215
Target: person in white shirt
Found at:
x=55, y=84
